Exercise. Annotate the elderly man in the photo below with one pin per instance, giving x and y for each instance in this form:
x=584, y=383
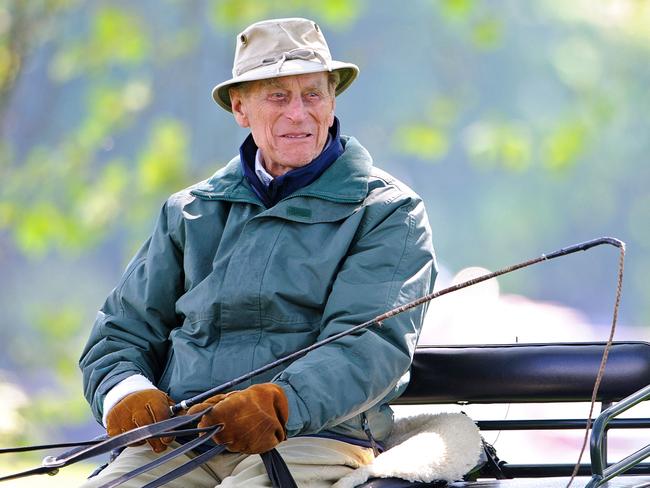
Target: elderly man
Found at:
x=296, y=239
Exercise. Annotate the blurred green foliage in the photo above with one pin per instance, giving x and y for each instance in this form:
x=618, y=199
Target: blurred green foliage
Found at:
x=522, y=124
x=336, y=13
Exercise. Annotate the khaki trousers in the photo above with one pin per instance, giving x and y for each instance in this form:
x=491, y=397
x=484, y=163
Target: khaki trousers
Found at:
x=314, y=462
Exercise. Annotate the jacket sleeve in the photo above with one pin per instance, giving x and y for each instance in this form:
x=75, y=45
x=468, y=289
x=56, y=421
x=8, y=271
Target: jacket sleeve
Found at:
x=389, y=264
x=130, y=333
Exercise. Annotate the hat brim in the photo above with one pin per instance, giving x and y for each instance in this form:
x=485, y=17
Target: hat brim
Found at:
x=348, y=72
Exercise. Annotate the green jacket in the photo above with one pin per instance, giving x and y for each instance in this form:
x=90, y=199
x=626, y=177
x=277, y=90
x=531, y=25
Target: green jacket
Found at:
x=225, y=285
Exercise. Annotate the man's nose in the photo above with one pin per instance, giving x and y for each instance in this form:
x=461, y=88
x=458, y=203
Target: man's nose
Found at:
x=296, y=109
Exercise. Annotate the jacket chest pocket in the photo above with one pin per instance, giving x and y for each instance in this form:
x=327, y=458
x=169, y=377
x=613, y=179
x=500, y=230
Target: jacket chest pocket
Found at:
x=300, y=271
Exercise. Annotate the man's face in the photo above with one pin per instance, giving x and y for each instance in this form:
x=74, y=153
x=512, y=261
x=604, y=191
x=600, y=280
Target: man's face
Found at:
x=288, y=116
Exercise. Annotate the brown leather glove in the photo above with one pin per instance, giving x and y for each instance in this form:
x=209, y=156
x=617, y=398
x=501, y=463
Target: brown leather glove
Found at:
x=254, y=420
x=138, y=409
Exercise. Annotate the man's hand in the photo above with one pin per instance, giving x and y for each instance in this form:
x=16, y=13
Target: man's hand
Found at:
x=253, y=419
x=137, y=409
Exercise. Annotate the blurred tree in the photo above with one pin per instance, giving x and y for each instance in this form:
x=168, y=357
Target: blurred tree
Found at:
x=23, y=27
x=541, y=105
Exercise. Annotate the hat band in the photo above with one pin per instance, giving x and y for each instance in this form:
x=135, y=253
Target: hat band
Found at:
x=304, y=54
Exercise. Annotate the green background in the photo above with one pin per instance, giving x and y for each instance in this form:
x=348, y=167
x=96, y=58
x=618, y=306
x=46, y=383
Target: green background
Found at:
x=523, y=124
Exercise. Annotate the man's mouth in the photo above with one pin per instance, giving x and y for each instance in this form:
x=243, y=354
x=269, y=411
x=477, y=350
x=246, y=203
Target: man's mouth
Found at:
x=296, y=136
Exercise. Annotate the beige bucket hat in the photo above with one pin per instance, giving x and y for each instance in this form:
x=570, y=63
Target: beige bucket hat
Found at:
x=281, y=47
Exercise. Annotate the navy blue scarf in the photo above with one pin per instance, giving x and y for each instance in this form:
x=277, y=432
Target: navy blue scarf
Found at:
x=293, y=180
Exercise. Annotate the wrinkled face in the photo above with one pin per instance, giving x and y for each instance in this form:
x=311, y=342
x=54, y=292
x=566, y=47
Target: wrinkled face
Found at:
x=288, y=117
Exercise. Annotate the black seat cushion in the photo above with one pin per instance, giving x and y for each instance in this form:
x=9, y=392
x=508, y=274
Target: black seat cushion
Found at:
x=515, y=373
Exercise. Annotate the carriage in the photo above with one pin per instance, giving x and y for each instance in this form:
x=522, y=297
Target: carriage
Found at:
x=538, y=373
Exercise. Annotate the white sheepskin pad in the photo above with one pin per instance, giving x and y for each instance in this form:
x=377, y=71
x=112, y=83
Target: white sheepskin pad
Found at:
x=425, y=447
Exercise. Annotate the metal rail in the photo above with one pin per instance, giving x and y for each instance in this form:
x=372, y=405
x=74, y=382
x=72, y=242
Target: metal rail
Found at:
x=601, y=474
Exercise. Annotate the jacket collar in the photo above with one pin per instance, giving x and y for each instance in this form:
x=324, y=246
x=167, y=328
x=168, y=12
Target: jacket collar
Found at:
x=295, y=179
x=345, y=181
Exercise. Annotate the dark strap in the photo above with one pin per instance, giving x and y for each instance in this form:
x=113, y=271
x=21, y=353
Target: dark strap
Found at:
x=187, y=467
x=92, y=442
x=131, y=437
x=277, y=470
x=30, y=472
x=275, y=467
x=163, y=459
x=51, y=464
x=59, y=445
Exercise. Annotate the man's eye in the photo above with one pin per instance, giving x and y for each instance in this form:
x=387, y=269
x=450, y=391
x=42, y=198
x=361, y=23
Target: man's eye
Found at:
x=277, y=96
x=312, y=97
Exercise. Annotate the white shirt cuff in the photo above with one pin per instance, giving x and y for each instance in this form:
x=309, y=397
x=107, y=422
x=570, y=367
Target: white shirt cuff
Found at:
x=129, y=385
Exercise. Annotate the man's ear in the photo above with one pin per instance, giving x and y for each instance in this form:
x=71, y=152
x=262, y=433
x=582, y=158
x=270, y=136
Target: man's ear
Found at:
x=331, y=116
x=238, y=109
